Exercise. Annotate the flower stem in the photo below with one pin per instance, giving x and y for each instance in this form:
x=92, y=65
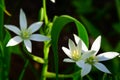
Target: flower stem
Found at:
x=45, y=65
x=23, y=71
x=53, y=75
x=45, y=12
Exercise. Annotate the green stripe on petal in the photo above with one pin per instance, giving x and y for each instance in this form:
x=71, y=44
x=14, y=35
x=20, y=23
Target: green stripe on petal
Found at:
x=71, y=45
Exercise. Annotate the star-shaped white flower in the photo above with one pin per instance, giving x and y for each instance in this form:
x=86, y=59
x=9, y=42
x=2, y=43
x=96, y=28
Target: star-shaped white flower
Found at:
x=25, y=34
x=94, y=59
x=74, y=53
x=53, y=1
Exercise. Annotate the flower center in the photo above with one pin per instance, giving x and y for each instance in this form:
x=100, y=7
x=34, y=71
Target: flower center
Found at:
x=91, y=60
x=75, y=55
x=25, y=34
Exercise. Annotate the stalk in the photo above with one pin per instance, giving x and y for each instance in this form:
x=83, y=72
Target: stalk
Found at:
x=45, y=65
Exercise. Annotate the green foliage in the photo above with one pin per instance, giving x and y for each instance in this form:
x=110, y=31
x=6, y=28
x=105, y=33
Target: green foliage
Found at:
x=83, y=6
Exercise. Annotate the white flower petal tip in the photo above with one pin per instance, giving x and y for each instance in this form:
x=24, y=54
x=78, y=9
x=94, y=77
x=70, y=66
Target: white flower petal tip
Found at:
x=52, y=1
x=102, y=68
x=14, y=41
x=77, y=38
x=96, y=44
x=67, y=52
x=87, y=68
x=68, y=60
x=107, y=56
x=28, y=45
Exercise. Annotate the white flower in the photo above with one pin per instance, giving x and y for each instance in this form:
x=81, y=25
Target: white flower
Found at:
x=74, y=53
x=94, y=59
x=25, y=34
x=53, y=1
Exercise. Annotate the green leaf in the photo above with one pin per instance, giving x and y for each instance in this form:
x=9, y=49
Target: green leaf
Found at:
x=1, y=19
x=94, y=32
x=58, y=25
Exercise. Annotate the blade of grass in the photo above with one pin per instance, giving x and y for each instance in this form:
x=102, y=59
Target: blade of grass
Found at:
x=118, y=8
x=23, y=70
x=1, y=19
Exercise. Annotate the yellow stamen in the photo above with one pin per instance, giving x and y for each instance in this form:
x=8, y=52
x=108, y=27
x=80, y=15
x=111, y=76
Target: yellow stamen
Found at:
x=75, y=55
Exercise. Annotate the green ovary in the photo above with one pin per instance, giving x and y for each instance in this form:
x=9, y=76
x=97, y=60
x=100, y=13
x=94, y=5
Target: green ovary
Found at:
x=25, y=34
x=91, y=60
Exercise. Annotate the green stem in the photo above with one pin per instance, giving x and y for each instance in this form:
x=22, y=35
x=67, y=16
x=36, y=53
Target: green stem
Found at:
x=104, y=76
x=23, y=71
x=89, y=77
x=45, y=65
x=45, y=12
x=53, y=75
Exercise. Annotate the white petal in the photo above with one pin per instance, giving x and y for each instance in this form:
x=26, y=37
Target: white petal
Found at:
x=84, y=47
x=53, y=1
x=38, y=37
x=87, y=54
x=76, y=38
x=85, y=70
x=13, y=29
x=80, y=63
x=35, y=26
x=68, y=60
x=71, y=45
x=79, y=46
x=107, y=56
x=67, y=52
x=28, y=45
x=101, y=67
x=23, y=21
x=14, y=41
x=96, y=45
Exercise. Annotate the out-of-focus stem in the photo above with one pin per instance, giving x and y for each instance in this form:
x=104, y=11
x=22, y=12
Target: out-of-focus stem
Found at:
x=45, y=65
x=45, y=12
